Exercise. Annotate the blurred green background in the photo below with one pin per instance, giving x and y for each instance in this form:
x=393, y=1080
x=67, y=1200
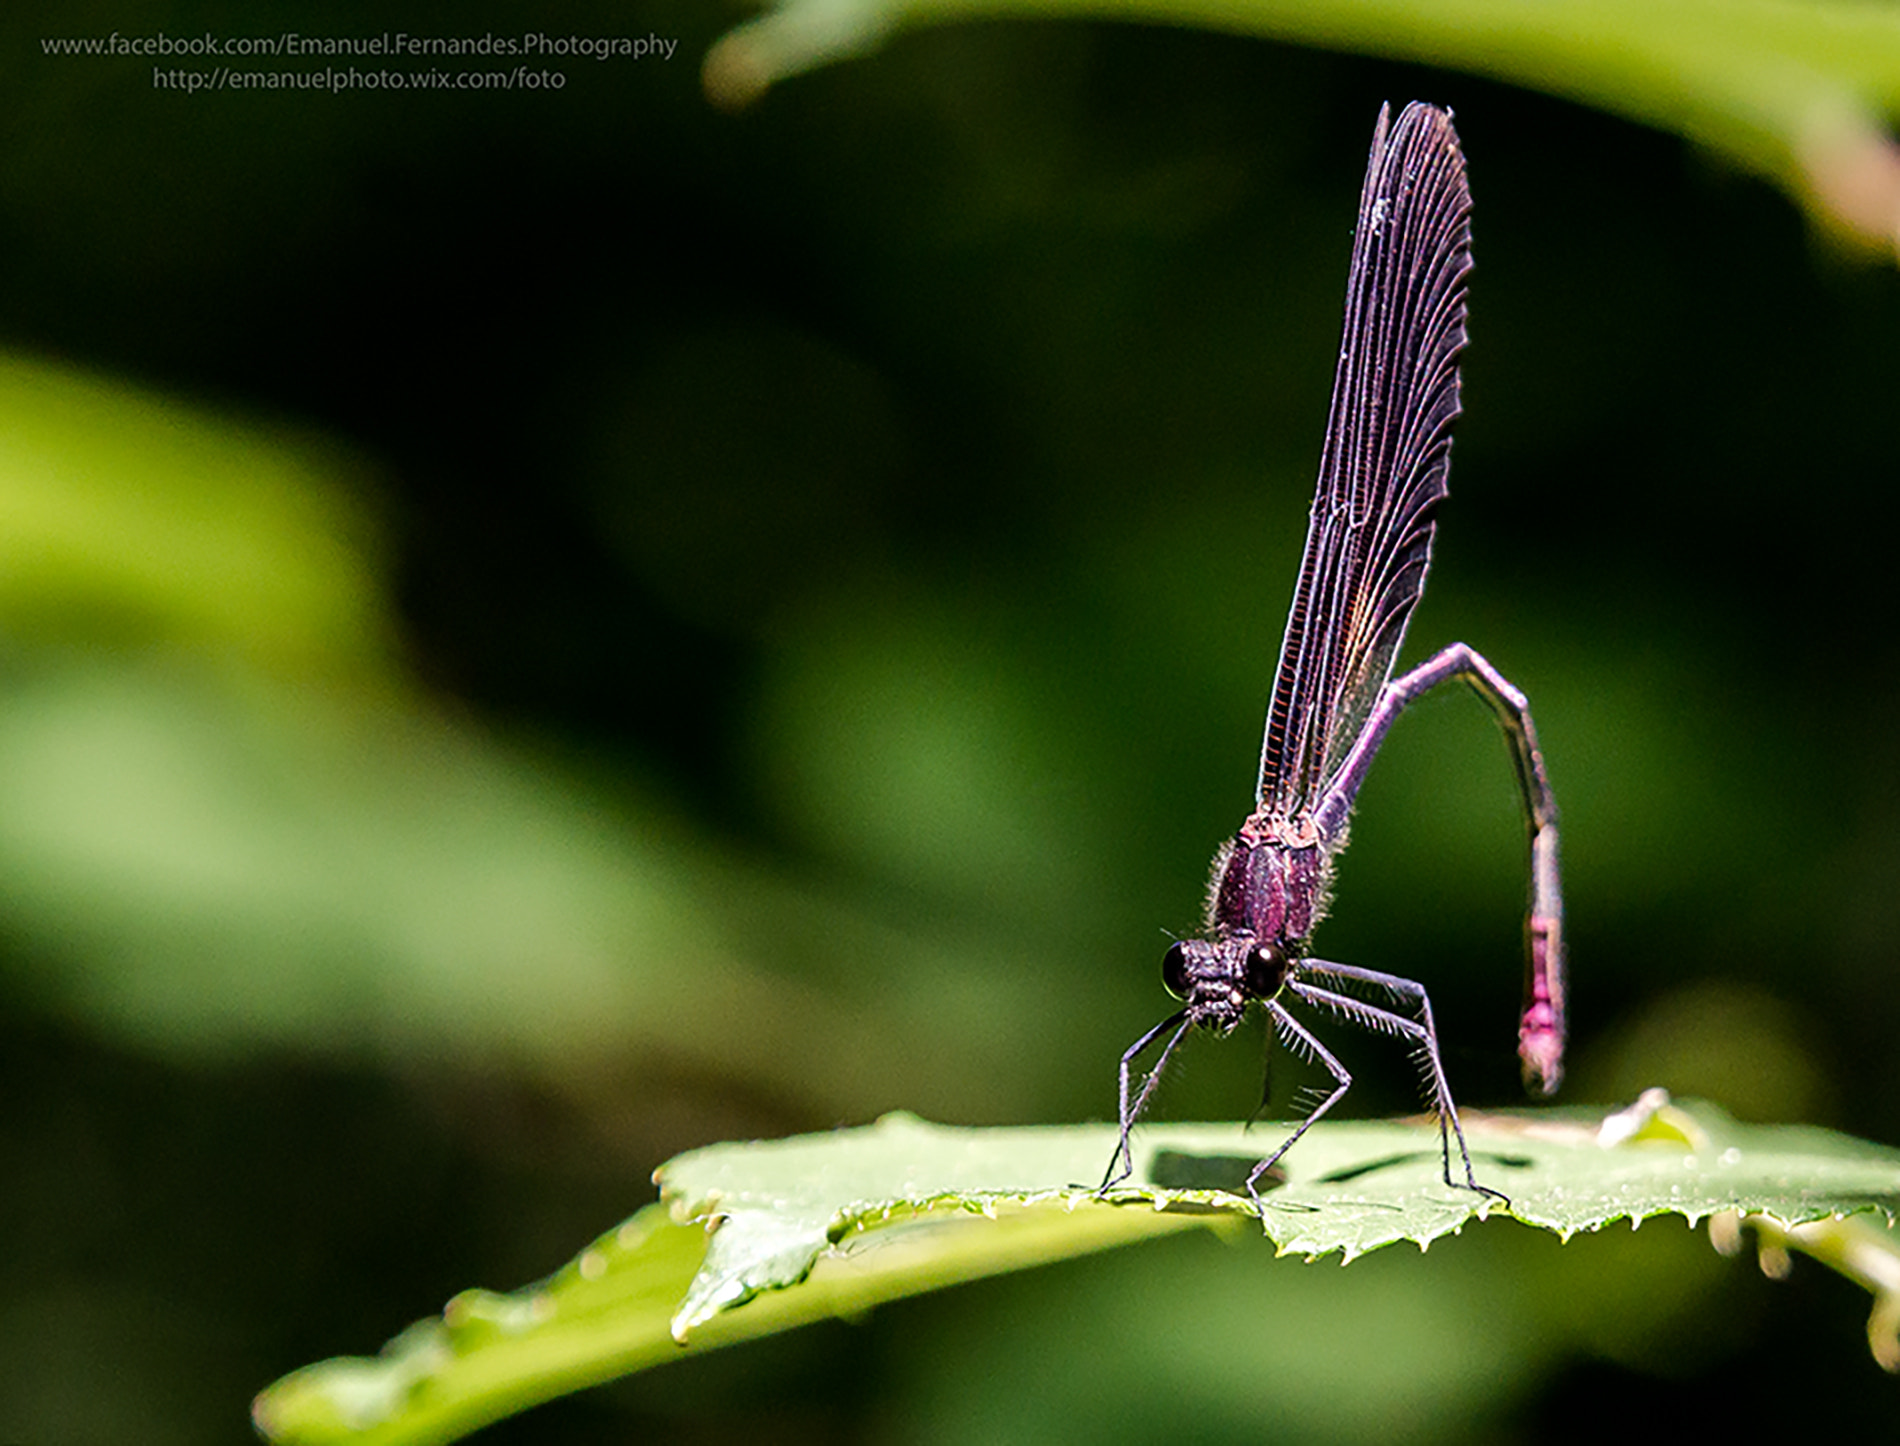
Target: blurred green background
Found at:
x=539, y=630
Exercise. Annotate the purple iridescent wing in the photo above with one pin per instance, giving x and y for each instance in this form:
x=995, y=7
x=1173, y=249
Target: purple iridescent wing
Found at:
x=1388, y=449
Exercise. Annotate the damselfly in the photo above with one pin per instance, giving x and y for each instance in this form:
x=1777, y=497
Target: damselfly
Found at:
x=1368, y=544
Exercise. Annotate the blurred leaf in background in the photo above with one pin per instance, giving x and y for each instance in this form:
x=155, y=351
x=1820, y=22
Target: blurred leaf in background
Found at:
x=543, y=629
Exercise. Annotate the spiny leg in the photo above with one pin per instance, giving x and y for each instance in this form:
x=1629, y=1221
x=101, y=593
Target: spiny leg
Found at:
x=1122, y=1163
x=1423, y=1031
x=1541, y=1029
x=1300, y=1040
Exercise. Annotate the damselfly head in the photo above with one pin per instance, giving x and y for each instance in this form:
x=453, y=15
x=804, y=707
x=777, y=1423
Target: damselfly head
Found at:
x=1217, y=979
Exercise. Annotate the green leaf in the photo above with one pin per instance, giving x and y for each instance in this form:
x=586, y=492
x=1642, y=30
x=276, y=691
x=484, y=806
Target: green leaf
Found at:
x=127, y=517
x=1796, y=92
x=830, y=1225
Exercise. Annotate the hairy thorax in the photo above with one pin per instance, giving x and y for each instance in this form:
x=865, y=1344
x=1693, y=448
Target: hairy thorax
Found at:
x=1266, y=896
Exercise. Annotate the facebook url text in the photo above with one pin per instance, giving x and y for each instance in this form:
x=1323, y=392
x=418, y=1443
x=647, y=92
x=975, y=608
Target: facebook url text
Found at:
x=394, y=44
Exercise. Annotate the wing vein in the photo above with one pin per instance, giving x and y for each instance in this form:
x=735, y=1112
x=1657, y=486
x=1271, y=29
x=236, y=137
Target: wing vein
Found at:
x=1385, y=459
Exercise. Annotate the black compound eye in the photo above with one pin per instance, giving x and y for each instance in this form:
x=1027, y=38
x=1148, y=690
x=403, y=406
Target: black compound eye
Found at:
x=1174, y=971
x=1266, y=971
